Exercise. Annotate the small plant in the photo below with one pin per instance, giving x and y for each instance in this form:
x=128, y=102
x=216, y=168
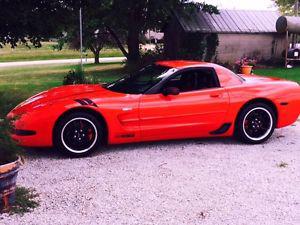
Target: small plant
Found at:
x=9, y=154
x=283, y=165
x=9, y=150
x=25, y=201
x=245, y=61
x=75, y=76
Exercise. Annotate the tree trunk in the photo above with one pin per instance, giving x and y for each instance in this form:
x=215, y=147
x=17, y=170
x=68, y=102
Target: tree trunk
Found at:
x=117, y=39
x=97, y=56
x=133, y=45
x=96, y=52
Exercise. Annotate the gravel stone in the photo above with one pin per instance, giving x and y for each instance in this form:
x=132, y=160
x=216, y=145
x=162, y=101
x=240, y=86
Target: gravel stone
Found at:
x=200, y=181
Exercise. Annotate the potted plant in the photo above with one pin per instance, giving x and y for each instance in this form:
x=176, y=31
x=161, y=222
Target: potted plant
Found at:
x=245, y=65
x=9, y=166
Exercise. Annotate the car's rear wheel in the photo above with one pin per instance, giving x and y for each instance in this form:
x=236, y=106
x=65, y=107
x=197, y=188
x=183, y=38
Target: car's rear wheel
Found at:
x=255, y=123
x=78, y=134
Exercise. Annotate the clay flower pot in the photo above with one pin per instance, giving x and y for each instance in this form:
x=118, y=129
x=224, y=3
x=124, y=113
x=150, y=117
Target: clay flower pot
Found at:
x=8, y=178
x=245, y=69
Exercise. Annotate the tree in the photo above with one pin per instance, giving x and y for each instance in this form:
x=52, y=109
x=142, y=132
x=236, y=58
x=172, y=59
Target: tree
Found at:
x=287, y=7
x=137, y=16
x=31, y=21
x=95, y=33
x=38, y=19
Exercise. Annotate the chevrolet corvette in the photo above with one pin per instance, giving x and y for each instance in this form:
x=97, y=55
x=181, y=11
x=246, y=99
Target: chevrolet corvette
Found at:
x=165, y=100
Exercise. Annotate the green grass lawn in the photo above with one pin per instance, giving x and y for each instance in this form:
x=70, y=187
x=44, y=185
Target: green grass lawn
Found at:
x=23, y=53
x=17, y=84
x=289, y=74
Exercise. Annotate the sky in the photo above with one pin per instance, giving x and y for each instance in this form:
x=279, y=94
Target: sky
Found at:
x=243, y=4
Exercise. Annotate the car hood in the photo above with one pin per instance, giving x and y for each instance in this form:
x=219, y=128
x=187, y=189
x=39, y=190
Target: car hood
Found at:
x=56, y=94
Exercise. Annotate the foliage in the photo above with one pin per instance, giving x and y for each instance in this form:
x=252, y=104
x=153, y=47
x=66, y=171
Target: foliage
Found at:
x=124, y=20
x=283, y=165
x=198, y=46
x=75, y=76
x=9, y=150
x=193, y=46
x=148, y=57
x=95, y=33
x=138, y=16
x=246, y=61
x=31, y=21
x=287, y=7
x=25, y=201
x=212, y=43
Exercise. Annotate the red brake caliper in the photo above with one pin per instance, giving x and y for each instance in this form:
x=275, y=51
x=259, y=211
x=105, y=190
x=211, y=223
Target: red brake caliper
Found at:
x=90, y=134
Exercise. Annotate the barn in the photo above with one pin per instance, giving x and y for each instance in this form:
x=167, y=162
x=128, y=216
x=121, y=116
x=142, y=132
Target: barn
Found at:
x=240, y=33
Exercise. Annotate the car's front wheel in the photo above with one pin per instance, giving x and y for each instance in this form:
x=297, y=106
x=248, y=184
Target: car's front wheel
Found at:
x=255, y=123
x=78, y=134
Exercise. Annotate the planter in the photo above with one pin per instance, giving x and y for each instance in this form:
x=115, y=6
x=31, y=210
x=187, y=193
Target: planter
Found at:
x=246, y=70
x=8, y=178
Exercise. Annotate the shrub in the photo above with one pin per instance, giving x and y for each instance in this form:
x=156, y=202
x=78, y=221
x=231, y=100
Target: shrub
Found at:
x=148, y=57
x=199, y=46
x=244, y=61
x=26, y=201
x=9, y=150
x=75, y=76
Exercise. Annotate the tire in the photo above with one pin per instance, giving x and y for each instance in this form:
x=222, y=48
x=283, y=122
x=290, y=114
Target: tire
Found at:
x=78, y=134
x=255, y=123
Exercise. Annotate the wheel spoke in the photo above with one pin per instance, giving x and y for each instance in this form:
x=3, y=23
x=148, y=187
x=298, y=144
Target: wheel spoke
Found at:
x=258, y=123
x=79, y=135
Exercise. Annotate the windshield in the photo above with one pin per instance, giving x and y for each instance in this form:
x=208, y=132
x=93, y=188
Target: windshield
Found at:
x=139, y=82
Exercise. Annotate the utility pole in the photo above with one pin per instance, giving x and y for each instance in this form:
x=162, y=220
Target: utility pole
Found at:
x=295, y=41
x=81, y=48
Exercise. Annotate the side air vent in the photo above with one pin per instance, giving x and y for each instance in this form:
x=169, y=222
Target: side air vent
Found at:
x=86, y=101
x=222, y=130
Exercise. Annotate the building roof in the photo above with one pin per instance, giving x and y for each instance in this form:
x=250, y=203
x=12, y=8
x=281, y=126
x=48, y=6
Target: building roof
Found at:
x=229, y=21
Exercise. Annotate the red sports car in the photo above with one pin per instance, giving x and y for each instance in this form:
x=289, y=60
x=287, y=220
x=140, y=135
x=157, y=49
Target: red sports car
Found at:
x=166, y=100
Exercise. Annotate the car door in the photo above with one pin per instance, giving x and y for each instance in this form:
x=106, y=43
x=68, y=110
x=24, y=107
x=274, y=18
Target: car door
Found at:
x=198, y=109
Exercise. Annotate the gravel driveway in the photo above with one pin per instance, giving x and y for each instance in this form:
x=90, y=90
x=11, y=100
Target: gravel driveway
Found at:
x=179, y=182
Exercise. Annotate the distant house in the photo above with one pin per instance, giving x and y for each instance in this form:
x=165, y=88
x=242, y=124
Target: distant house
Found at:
x=241, y=33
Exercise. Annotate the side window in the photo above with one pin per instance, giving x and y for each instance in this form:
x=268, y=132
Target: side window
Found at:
x=193, y=80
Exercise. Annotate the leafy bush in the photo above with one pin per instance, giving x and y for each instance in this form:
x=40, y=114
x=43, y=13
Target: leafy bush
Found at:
x=199, y=46
x=148, y=57
x=244, y=61
x=26, y=201
x=9, y=150
x=192, y=47
x=152, y=56
x=212, y=43
x=75, y=76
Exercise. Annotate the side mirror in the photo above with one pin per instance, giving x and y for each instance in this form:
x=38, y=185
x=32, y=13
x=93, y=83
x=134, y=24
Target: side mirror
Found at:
x=171, y=91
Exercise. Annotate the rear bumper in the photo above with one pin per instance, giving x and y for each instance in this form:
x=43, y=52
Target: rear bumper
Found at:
x=288, y=112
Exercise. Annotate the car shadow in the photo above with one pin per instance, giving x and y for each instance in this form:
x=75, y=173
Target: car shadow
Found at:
x=35, y=153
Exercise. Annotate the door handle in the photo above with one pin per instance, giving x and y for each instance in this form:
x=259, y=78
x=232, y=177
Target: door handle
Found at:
x=215, y=95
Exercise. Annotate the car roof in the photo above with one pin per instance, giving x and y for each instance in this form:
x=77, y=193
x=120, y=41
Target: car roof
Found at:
x=226, y=76
x=179, y=64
